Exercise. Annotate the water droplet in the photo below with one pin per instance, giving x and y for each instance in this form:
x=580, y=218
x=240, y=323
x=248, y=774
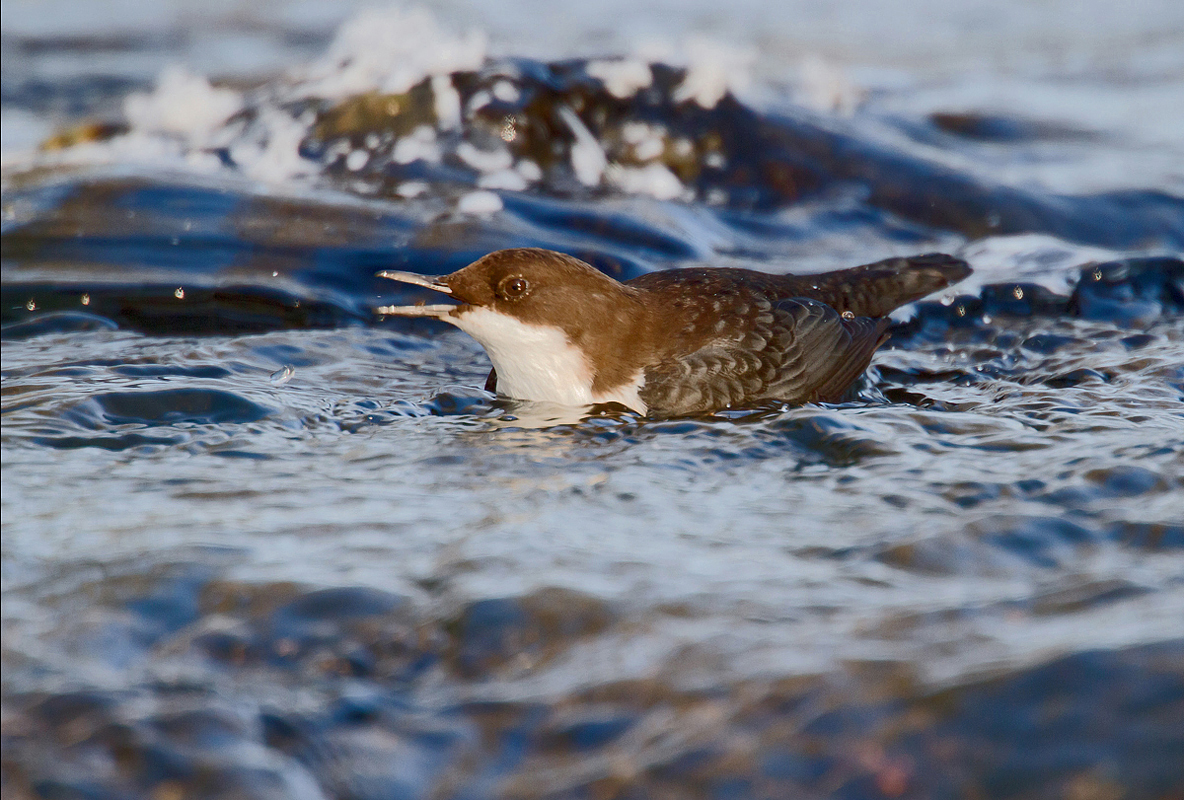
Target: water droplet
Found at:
x=86, y=299
x=961, y=310
x=282, y=375
x=848, y=315
x=1097, y=274
x=31, y=305
x=1018, y=292
x=179, y=293
x=275, y=274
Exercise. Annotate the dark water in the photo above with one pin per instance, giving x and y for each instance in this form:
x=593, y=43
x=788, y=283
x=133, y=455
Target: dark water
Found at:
x=258, y=542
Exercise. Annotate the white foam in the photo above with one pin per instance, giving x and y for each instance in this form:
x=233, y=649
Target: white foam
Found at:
x=648, y=141
x=635, y=132
x=270, y=151
x=654, y=180
x=356, y=160
x=713, y=67
x=587, y=156
x=506, y=92
x=479, y=203
x=182, y=104
x=479, y=100
x=446, y=102
x=412, y=189
x=390, y=50
x=624, y=77
x=419, y=145
x=485, y=160
x=529, y=170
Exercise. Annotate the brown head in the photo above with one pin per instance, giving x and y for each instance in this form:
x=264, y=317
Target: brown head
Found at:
x=539, y=288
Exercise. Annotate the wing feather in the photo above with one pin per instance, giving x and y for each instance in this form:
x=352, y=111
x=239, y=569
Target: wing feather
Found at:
x=799, y=350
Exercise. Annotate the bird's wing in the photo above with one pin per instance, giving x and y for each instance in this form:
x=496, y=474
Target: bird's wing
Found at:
x=794, y=350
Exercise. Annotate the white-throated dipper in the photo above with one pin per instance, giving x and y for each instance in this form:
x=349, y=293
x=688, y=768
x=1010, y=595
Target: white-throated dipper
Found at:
x=682, y=341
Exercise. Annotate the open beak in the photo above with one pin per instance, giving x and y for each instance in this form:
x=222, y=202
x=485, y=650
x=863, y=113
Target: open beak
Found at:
x=433, y=283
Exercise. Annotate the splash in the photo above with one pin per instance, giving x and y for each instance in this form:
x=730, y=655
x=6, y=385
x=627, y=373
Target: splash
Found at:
x=400, y=107
x=387, y=51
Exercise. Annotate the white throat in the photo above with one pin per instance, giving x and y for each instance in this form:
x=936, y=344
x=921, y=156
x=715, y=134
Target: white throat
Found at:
x=537, y=362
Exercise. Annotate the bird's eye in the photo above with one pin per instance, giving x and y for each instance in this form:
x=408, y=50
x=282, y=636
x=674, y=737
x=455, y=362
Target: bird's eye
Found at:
x=513, y=287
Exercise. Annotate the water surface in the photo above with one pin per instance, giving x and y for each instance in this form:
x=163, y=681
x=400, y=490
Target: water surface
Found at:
x=258, y=541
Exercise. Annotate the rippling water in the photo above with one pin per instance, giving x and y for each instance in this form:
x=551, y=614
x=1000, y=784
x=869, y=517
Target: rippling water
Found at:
x=260, y=542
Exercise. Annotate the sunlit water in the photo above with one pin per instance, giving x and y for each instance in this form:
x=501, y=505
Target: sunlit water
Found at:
x=258, y=541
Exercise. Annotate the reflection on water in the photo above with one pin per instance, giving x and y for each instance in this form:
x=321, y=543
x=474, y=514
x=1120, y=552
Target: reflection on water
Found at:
x=258, y=541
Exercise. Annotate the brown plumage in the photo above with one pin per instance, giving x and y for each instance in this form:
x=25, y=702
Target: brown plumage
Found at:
x=681, y=341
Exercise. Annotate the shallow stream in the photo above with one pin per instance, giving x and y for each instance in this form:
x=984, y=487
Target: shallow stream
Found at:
x=260, y=542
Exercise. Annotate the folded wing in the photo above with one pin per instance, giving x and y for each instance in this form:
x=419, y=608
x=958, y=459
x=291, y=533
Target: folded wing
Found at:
x=794, y=350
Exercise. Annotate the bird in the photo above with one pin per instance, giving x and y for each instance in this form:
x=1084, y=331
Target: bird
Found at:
x=677, y=342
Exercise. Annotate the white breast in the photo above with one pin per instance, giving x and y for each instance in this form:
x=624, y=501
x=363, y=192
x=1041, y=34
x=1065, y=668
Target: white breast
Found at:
x=626, y=395
x=537, y=362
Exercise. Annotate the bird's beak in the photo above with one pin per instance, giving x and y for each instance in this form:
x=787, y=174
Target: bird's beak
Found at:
x=428, y=282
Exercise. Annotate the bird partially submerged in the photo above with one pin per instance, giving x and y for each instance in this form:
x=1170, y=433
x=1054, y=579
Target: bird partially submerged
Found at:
x=682, y=341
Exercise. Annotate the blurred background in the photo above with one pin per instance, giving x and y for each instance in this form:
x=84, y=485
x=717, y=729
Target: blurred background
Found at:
x=261, y=542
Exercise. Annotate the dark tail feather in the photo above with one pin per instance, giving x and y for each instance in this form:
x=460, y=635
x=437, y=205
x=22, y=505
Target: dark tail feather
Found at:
x=875, y=290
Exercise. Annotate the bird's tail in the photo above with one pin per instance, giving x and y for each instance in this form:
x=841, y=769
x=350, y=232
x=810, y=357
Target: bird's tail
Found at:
x=875, y=290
